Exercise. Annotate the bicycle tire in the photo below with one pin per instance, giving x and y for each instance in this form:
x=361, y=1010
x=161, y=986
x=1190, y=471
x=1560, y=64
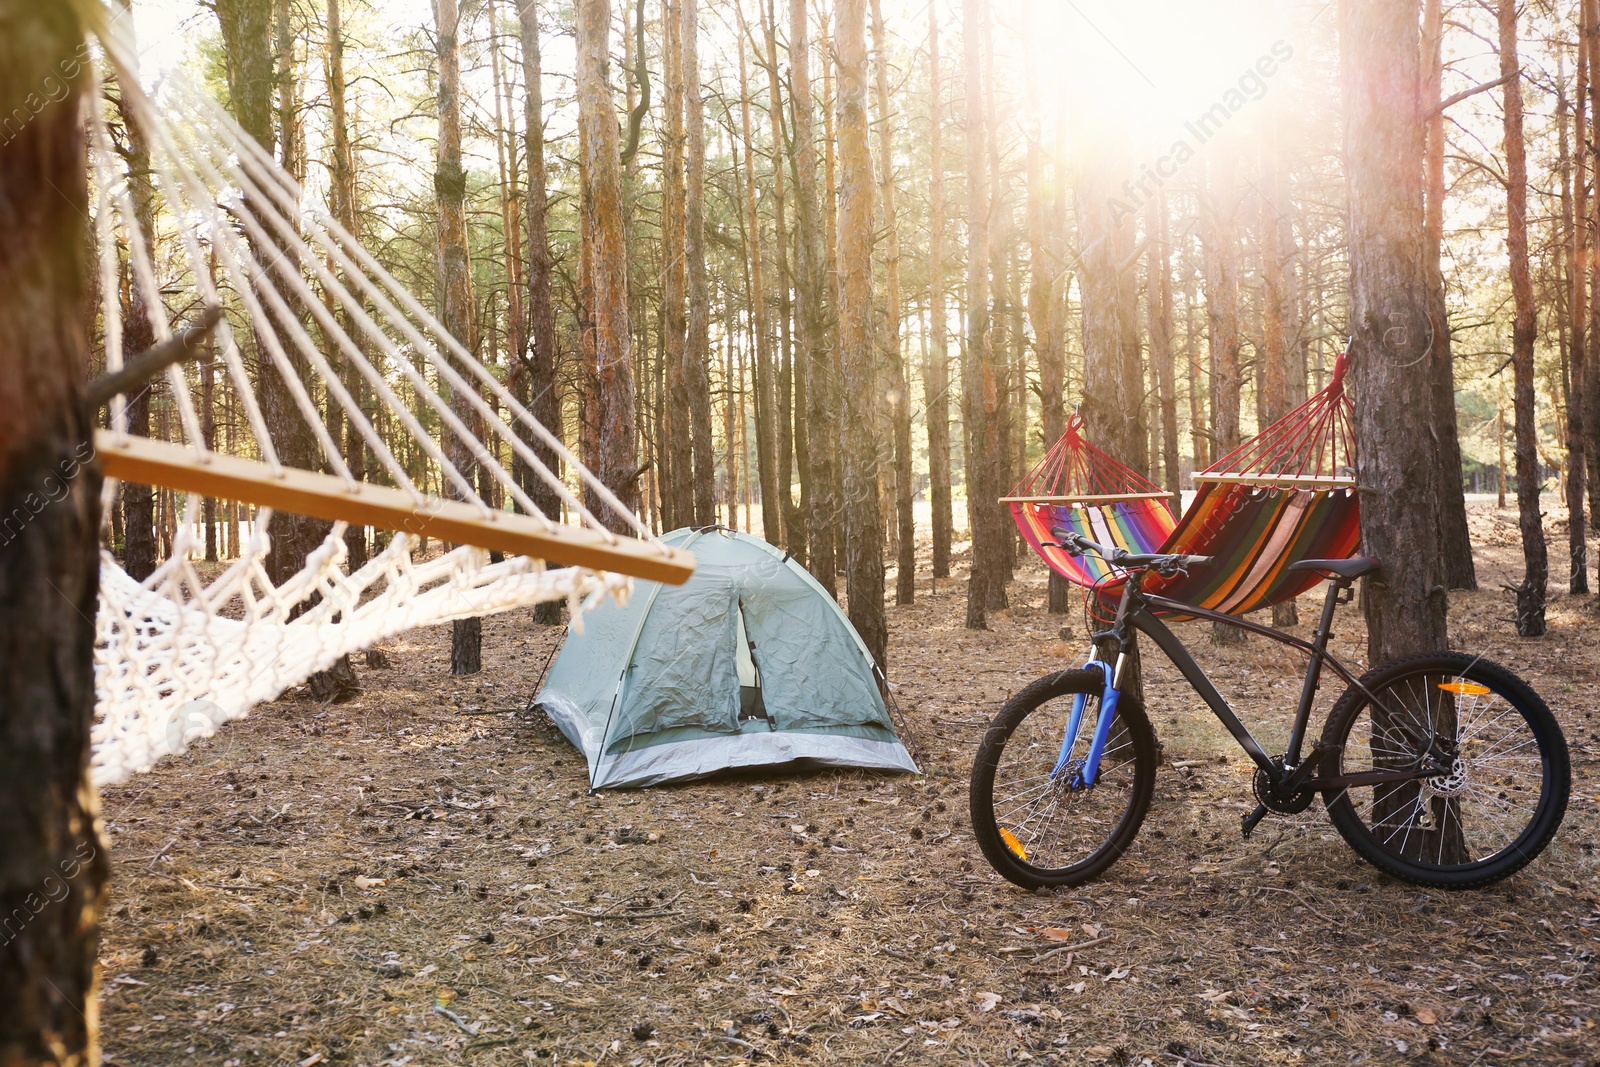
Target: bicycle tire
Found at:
x=1024, y=741
x=1511, y=759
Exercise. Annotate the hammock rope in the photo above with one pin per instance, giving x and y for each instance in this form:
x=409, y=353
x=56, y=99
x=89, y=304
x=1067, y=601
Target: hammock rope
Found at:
x=1080, y=488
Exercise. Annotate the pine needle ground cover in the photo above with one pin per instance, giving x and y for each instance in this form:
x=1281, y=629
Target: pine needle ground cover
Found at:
x=400, y=880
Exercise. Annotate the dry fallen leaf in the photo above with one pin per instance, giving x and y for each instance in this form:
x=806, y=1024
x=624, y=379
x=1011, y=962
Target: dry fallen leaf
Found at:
x=986, y=1001
x=1057, y=933
x=1426, y=1017
x=363, y=882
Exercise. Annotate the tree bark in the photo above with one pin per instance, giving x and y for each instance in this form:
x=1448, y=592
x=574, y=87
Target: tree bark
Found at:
x=1277, y=272
x=697, y=342
x=1589, y=46
x=791, y=372
x=1524, y=331
x=138, y=335
x=674, y=279
x=1046, y=271
x=980, y=392
x=455, y=285
x=905, y=585
x=1221, y=248
x=815, y=448
x=1440, y=365
x=536, y=380
x=936, y=375
x=1575, y=211
x=1113, y=379
x=858, y=360
x=1160, y=303
x=1391, y=301
x=766, y=391
x=342, y=186
x=53, y=864
x=616, y=455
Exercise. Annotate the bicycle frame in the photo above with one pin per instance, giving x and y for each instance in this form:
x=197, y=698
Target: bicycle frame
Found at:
x=1134, y=613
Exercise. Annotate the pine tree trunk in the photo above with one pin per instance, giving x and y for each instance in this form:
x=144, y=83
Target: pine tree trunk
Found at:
x=1160, y=303
x=1113, y=380
x=1524, y=331
x=674, y=278
x=1460, y=571
x=537, y=368
x=1003, y=414
x=816, y=430
x=1199, y=428
x=1220, y=244
x=766, y=391
x=1589, y=404
x=905, y=586
x=138, y=335
x=858, y=358
x=980, y=396
x=455, y=286
x=616, y=452
x=790, y=377
x=1575, y=211
x=1391, y=302
x=936, y=375
x=53, y=862
x=1043, y=308
x=1277, y=311
x=342, y=186
x=697, y=343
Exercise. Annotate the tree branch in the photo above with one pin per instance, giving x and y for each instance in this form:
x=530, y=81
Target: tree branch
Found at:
x=641, y=74
x=1450, y=101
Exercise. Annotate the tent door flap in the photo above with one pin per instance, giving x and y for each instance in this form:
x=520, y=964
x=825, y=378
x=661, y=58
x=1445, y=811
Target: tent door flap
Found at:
x=751, y=703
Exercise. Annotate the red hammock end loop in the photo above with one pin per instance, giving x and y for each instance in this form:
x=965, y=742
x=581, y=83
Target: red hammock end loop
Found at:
x=1340, y=365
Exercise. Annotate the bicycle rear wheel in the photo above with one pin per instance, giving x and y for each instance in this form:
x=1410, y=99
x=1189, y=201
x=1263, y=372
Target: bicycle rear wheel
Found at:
x=1500, y=803
x=1034, y=820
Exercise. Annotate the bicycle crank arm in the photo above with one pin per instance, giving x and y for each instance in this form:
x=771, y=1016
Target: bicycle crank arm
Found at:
x=1247, y=824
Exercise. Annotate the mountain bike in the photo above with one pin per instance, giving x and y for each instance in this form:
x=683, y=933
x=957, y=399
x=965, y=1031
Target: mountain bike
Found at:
x=1442, y=769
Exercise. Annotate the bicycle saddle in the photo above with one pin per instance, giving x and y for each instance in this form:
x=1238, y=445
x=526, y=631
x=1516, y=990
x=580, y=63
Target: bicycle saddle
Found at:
x=1347, y=569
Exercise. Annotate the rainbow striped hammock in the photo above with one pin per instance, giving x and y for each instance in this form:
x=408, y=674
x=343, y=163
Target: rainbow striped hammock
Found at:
x=1286, y=494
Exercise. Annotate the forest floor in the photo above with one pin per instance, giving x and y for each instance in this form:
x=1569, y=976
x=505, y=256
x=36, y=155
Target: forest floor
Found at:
x=391, y=881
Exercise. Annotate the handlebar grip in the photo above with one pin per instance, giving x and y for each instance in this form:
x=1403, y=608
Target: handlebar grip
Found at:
x=1198, y=561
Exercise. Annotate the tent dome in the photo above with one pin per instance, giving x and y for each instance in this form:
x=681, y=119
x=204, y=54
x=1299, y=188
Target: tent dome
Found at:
x=748, y=664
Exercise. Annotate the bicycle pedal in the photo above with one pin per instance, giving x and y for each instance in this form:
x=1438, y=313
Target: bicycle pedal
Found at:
x=1247, y=824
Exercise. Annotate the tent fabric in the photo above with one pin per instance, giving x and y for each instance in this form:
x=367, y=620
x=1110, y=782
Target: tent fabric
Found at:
x=749, y=663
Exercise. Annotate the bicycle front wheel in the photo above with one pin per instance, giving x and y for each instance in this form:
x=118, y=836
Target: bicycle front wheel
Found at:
x=1497, y=806
x=1035, y=820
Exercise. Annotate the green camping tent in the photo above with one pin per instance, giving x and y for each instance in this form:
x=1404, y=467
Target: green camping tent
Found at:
x=747, y=664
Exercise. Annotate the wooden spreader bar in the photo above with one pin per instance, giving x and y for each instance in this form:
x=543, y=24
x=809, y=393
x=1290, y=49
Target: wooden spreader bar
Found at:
x=322, y=496
x=1084, y=498
x=1306, y=480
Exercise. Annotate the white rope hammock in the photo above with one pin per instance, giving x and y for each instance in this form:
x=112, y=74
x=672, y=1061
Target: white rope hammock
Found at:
x=179, y=655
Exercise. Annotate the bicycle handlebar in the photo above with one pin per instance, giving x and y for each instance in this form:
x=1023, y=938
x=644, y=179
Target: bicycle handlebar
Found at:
x=1077, y=544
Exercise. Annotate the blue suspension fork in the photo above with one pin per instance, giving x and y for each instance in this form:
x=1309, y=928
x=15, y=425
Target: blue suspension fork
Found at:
x=1102, y=729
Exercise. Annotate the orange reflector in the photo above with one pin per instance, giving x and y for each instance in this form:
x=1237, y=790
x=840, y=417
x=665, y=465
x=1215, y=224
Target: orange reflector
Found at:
x=1013, y=844
x=1464, y=688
